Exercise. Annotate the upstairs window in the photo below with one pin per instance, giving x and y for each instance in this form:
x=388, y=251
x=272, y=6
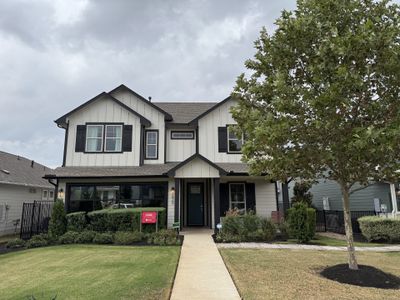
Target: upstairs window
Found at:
x=237, y=196
x=94, y=138
x=151, y=144
x=234, y=143
x=113, y=138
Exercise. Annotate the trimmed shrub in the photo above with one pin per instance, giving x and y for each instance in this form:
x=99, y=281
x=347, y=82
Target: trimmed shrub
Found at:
x=375, y=228
x=103, y=238
x=164, y=237
x=69, y=237
x=124, y=219
x=301, y=221
x=58, y=221
x=127, y=238
x=301, y=193
x=40, y=240
x=15, y=243
x=76, y=221
x=246, y=228
x=85, y=237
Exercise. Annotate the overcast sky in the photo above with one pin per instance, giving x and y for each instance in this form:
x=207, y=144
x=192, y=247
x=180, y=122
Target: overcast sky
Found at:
x=58, y=54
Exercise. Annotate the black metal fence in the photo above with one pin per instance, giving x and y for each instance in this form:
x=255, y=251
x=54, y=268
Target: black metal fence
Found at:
x=333, y=220
x=35, y=218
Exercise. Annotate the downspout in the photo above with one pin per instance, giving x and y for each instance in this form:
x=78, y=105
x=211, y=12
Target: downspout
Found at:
x=394, y=199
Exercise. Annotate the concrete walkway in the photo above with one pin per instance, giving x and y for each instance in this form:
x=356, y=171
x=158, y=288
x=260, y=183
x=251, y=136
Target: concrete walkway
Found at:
x=201, y=271
x=307, y=247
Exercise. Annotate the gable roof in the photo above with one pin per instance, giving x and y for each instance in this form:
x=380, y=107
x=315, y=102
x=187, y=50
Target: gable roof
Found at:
x=171, y=172
x=184, y=112
x=168, y=117
x=143, y=120
x=194, y=121
x=18, y=170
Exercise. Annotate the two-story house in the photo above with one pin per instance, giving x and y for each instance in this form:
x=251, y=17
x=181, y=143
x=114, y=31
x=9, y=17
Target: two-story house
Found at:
x=124, y=150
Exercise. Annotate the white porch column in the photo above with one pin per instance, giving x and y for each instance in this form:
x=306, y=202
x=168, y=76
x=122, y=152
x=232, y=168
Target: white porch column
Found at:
x=394, y=199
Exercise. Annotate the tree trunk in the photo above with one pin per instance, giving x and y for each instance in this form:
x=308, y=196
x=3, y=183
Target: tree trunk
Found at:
x=348, y=227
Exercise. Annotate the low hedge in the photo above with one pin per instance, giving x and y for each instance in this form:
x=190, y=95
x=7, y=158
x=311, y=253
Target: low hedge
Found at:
x=375, y=228
x=127, y=238
x=76, y=221
x=15, y=243
x=124, y=219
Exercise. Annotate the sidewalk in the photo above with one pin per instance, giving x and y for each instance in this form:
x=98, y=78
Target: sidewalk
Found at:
x=307, y=247
x=201, y=271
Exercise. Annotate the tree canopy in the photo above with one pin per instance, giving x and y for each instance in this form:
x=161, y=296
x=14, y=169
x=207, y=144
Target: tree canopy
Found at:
x=322, y=97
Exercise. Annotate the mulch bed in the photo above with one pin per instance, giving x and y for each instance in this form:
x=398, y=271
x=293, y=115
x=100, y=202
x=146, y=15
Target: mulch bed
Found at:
x=366, y=276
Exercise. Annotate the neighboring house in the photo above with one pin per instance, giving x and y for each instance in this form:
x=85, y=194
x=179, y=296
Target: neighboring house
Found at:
x=122, y=148
x=327, y=195
x=21, y=180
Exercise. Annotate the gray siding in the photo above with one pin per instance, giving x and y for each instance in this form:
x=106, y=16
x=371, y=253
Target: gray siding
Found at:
x=360, y=200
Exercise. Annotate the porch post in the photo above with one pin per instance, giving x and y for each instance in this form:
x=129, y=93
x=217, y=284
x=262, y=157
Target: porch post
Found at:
x=177, y=196
x=217, y=214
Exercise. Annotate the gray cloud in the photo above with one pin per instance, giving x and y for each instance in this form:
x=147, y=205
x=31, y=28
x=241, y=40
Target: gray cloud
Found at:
x=57, y=54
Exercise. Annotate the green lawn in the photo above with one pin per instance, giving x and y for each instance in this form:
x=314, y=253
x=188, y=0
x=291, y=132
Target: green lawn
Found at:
x=294, y=274
x=89, y=272
x=329, y=241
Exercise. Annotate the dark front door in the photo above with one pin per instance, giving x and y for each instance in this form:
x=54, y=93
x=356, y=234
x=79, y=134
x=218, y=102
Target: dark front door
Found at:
x=195, y=200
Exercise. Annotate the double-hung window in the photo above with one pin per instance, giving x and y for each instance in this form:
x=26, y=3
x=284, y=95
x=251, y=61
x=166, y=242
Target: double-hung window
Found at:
x=113, y=138
x=237, y=196
x=151, y=144
x=234, y=143
x=94, y=138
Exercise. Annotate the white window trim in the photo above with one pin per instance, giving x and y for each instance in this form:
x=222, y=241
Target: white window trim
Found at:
x=51, y=195
x=98, y=138
x=230, y=139
x=112, y=138
x=244, y=195
x=47, y=195
x=147, y=156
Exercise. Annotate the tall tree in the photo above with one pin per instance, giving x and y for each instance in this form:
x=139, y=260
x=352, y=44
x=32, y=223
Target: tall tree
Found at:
x=321, y=98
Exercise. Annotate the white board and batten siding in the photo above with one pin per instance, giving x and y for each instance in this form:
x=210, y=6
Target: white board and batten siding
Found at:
x=197, y=168
x=208, y=133
x=103, y=111
x=180, y=149
x=265, y=198
x=265, y=194
x=156, y=118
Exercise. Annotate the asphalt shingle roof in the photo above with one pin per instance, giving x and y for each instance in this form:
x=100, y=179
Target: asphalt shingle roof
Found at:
x=19, y=170
x=184, y=112
x=138, y=171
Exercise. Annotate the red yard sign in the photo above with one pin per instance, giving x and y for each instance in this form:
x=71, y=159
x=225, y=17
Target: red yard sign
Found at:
x=149, y=217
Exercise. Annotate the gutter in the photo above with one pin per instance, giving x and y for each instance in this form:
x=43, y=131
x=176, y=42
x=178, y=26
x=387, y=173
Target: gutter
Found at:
x=25, y=184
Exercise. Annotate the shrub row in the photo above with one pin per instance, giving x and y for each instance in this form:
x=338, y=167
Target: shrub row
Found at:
x=375, y=228
x=246, y=228
x=114, y=220
x=162, y=237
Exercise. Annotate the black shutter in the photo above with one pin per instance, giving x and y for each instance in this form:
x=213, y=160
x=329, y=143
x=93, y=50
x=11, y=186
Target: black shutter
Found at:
x=250, y=196
x=222, y=139
x=80, y=138
x=223, y=198
x=127, y=138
